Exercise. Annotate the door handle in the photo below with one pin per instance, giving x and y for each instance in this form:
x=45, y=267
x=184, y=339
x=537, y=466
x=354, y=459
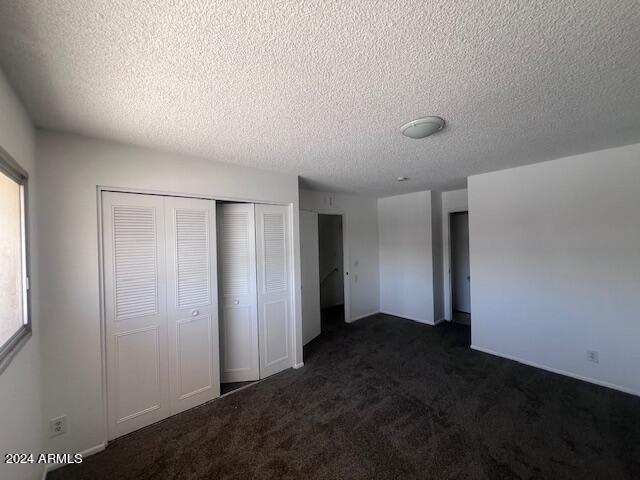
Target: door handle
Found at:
x=195, y=313
x=236, y=302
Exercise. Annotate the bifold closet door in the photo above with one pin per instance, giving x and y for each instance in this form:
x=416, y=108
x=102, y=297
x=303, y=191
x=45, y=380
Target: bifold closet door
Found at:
x=160, y=307
x=192, y=306
x=238, y=298
x=135, y=311
x=274, y=287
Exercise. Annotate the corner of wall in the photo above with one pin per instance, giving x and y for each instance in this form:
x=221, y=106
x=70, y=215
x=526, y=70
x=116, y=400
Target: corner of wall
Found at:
x=22, y=420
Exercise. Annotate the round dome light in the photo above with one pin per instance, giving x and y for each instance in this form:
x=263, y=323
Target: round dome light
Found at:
x=422, y=127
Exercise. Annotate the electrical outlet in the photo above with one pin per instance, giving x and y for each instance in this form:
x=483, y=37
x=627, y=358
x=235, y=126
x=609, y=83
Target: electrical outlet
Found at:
x=592, y=356
x=58, y=426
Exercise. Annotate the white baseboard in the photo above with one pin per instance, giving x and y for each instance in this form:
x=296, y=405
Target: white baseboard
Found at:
x=407, y=317
x=298, y=365
x=360, y=317
x=85, y=453
x=558, y=371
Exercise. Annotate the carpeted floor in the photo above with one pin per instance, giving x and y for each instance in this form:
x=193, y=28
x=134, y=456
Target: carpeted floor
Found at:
x=389, y=398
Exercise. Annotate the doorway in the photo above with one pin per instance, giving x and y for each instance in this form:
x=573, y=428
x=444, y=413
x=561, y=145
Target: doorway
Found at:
x=325, y=285
x=460, y=270
x=331, y=270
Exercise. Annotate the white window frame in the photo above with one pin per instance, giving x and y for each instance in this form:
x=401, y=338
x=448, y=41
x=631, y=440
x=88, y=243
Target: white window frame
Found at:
x=10, y=168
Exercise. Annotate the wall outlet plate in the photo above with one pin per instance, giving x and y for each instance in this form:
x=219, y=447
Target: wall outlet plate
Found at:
x=592, y=356
x=58, y=426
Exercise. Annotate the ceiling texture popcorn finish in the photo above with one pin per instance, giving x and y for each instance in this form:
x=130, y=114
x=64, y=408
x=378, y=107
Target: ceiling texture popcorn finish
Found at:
x=321, y=88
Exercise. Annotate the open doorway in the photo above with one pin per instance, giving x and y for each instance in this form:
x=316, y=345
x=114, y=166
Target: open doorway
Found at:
x=460, y=271
x=331, y=270
x=324, y=261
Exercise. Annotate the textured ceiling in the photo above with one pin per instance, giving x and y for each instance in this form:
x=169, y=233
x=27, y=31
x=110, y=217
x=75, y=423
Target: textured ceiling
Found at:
x=321, y=88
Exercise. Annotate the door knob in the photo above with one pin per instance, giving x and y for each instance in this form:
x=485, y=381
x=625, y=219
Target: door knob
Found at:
x=236, y=302
x=195, y=313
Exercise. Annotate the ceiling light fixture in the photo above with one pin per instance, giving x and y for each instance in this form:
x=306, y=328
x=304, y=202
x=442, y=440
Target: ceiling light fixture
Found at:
x=422, y=127
x=402, y=179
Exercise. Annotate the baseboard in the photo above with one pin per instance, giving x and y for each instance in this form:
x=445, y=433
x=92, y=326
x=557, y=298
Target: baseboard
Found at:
x=360, y=317
x=85, y=453
x=558, y=371
x=298, y=365
x=407, y=317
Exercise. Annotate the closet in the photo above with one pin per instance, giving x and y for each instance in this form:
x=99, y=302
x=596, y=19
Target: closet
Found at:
x=255, y=291
x=192, y=293
x=161, y=308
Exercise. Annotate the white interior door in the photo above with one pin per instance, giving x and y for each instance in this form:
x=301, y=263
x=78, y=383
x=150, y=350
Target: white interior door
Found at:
x=135, y=311
x=310, y=261
x=192, y=306
x=460, y=262
x=238, y=297
x=274, y=287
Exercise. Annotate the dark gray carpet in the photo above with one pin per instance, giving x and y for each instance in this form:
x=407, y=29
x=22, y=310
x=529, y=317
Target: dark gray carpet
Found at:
x=389, y=398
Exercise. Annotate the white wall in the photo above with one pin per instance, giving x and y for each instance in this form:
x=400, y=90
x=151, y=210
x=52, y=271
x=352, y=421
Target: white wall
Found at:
x=70, y=169
x=453, y=201
x=406, y=262
x=361, y=227
x=21, y=424
x=330, y=240
x=555, y=264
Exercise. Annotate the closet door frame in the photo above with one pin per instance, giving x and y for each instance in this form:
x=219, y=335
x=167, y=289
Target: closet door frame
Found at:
x=295, y=326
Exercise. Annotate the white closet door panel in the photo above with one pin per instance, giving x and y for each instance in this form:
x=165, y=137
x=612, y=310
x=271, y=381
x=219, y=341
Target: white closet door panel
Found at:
x=274, y=289
x=193, y=257
x=276, y=346
x=238, y=323
x=238, y=302
x=137, y=369
x=135, y=257
x=192, y=307
x=135, y=312
x=193, y=351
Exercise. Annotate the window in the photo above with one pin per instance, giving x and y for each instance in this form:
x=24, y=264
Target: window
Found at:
x=14, y=280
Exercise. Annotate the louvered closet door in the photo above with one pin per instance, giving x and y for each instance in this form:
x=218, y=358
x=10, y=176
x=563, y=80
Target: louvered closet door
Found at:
x=238, y=300
x=192, y=306
x=135, y=311
x=274, y=288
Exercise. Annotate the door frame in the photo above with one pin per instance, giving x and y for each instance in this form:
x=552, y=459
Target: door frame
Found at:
x=449, y=306
x=294, y=272
x=346, y=279
x=314, y=215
